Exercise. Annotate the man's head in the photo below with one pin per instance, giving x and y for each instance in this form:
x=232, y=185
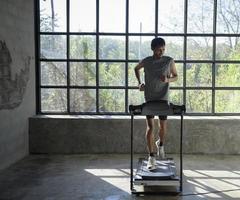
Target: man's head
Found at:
x=158, y=47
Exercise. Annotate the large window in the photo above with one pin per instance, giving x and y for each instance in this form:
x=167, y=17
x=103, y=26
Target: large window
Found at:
x=87, y=50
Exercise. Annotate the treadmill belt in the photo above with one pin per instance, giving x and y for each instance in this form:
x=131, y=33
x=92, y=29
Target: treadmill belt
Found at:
x=165, y=170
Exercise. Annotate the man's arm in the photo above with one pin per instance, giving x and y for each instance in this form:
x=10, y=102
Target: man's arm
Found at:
x=173, y=72
x=137, y=74
x=137, y=71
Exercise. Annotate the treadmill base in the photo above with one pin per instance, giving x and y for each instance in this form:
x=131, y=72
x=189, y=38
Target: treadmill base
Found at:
x=163, y=179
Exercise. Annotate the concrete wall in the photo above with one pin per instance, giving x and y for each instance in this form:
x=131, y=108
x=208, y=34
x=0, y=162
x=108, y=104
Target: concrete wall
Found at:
x=207, y=135
x=17, y=82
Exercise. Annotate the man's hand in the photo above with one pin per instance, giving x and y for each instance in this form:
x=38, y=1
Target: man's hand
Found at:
x=141, y=86
x=164, y=79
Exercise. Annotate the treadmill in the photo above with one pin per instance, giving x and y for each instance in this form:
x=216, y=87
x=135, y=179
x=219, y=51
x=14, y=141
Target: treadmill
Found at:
x=164, y=178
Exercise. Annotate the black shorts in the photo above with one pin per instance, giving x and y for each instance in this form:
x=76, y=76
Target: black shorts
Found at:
x=161, y=117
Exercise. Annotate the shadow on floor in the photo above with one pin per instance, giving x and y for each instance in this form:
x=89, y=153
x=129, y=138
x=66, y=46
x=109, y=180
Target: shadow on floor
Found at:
x=106, y=177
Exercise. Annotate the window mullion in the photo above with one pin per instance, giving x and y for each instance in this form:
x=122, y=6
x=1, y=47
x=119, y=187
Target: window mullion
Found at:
x=97, y=56
x=185, y=50
x=68, y=49
x=214, y=55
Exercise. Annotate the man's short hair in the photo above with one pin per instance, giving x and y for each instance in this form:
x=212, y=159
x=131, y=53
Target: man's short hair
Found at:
x=157, y=42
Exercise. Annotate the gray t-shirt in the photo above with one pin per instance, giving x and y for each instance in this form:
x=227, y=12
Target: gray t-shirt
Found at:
x=155, y=89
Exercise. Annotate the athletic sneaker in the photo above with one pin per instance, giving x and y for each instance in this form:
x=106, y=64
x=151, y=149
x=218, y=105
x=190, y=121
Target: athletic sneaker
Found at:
x=151, y=164
x=160, y=150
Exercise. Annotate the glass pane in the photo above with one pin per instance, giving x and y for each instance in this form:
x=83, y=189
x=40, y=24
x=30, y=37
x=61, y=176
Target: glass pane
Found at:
x=228, y=75
x=171, y=16
x=228, y=48
x=53, y=16
x=82, y=47
x=112, y=47
x=199, y=48
x=54, y=100
x=111, y=100
x=199, y=101
x=132, y=80
x=53, y=46
x=227, y=101
x=112, y=15
x=53, y=73
x=83, y=100
x=200, y=16
x=142, y=16
x=139, y=47
x=174, y=47
x=111, y=74
x=179, y=82
x=176, y=97
x=80, y=10
x=83, y=73
x=135, y=97
x=199, y=75
x=228, y=16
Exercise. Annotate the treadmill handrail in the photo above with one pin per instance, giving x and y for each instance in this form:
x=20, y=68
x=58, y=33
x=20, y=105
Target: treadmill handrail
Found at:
x=157, y=108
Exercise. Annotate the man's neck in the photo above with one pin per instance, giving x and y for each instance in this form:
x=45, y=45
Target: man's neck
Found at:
x=157, y=57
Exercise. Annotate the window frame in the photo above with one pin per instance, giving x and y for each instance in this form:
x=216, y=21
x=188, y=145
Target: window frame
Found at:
x=68, y=60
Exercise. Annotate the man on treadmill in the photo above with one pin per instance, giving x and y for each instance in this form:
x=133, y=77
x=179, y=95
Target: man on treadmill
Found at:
x=159, y=71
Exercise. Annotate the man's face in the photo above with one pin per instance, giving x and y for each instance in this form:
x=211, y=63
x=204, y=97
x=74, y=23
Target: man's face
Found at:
x=159, y=51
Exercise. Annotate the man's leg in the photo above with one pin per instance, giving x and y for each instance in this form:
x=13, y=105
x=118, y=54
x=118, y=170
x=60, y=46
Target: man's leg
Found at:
x=162, y=133
x=162, y=130
x=149, y=133
x=151, y=164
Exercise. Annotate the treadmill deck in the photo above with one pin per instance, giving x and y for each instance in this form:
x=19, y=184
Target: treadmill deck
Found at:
x=164, y=174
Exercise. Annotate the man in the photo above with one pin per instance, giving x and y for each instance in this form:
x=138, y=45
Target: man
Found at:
x=159, y=71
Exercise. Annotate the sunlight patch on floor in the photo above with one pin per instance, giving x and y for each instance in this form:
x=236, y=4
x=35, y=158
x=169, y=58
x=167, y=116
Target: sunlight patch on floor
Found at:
x=214, y=183
x=115, y=177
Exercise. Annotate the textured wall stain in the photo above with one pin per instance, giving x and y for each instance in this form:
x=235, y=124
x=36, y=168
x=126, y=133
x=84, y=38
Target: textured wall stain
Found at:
x=12, y=91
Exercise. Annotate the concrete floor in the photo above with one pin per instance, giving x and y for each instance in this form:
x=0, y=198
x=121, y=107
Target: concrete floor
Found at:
x=106, y=177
